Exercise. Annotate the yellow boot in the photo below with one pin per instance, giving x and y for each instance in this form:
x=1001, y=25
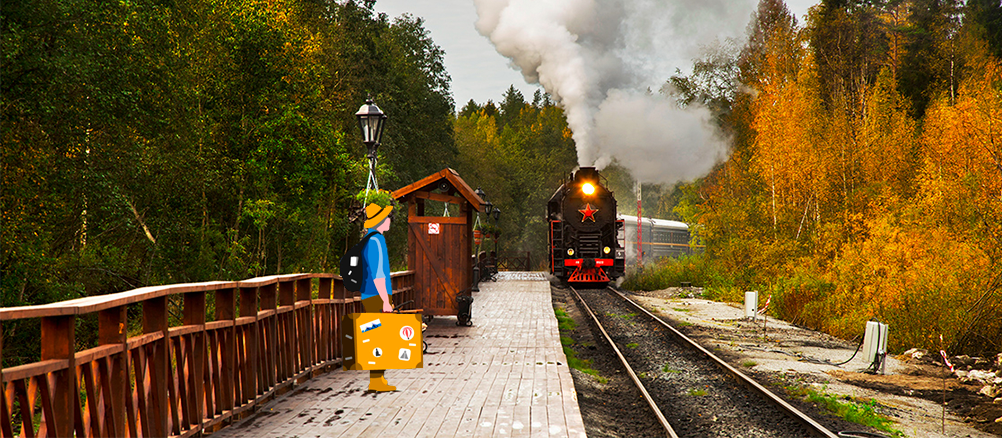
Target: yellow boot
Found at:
x=378, y=383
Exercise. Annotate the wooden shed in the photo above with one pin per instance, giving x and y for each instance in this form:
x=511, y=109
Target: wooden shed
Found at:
x=439, y=248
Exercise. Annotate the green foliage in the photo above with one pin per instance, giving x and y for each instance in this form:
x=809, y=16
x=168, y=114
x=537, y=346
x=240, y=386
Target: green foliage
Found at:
x=865, y=412
x=150, y=144
x=671, y=272
x=381, y=198
x=987, y=16
x=517, y=154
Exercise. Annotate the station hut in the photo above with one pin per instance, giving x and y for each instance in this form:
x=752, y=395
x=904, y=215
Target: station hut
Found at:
x=439, y=248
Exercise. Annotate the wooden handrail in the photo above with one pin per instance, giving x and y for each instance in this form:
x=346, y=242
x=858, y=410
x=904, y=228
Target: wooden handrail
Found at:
x=267, y=335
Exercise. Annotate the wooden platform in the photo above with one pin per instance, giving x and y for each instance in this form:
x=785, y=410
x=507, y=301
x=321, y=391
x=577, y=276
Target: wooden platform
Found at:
x=504, y=377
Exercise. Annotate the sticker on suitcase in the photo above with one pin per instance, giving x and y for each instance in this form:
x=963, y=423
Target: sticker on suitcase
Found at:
x=374, y=324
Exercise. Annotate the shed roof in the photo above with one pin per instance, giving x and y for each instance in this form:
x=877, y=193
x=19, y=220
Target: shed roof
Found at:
x=430, y=182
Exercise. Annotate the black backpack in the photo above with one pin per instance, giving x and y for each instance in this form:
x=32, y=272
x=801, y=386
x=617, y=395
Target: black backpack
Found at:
x=353, y=265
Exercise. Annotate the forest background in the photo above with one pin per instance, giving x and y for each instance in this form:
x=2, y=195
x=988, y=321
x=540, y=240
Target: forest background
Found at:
x=156, y=142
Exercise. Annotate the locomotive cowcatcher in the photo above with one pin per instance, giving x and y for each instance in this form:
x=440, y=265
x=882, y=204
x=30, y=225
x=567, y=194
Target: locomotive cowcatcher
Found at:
x=586, y=239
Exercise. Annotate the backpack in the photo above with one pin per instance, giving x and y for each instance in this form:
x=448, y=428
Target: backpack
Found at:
x=353, y=265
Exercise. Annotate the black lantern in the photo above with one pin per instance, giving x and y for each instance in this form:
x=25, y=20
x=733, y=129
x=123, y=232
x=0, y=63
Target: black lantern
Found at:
x=488, y=206
x=371, y=120
x=497, y=214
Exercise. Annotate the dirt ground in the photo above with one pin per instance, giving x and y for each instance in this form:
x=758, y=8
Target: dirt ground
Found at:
x=910, y=392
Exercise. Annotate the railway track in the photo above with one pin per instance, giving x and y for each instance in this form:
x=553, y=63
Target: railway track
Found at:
x=692, y=392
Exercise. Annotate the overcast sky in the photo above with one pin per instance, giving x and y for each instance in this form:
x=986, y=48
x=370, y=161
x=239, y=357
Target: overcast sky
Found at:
x=478, y=72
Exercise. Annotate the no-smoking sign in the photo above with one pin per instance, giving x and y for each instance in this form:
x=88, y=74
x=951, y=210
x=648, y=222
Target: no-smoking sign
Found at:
x=434, y=228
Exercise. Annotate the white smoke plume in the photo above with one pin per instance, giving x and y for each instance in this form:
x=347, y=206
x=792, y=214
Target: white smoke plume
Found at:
x=596, y=57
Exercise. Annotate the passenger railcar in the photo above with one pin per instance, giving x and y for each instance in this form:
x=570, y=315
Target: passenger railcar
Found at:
x=659, y=238
x=585, y=239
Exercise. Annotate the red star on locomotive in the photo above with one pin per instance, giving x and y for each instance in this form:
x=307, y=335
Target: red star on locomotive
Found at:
x=588, y=213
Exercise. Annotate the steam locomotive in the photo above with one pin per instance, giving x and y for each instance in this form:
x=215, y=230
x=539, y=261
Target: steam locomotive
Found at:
x=586, y=242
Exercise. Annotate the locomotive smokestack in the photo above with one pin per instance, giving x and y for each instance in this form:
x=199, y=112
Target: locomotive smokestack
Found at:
x=586, y=174
x=596, y=56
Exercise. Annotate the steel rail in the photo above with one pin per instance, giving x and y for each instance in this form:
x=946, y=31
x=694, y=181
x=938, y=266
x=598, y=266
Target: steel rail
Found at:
x=800, y=416
x=629, y=370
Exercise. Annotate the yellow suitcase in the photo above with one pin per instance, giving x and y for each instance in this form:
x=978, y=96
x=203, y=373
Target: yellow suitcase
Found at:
x=382, y=341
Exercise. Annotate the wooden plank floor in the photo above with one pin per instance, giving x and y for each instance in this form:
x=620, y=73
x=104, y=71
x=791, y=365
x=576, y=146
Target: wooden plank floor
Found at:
x=504, y=377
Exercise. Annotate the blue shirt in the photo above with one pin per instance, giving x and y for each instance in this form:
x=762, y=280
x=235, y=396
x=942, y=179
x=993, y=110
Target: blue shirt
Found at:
x=377, y=265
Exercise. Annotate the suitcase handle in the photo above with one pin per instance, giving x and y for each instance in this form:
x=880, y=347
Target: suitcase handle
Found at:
x=397, y=308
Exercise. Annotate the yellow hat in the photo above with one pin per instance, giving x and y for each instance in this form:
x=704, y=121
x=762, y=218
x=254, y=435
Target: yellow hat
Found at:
x=374, y=214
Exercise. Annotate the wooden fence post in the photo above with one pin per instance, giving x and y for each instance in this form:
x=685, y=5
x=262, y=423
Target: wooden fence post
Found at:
x=287, y=297
x=6, y=431
x=226, y=311
x=112, y=330
x=269, y=336
x=324, y=317
x=58, y=342
x=340, y=310
x=304, y=323
x=248, y=366
x=158, y=359
x=194, y=314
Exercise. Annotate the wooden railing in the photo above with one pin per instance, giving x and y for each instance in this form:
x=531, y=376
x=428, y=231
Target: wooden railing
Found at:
x=263, y=336
x=515, y=263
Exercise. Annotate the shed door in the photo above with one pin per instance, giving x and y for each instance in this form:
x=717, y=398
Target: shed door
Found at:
x=439, y=261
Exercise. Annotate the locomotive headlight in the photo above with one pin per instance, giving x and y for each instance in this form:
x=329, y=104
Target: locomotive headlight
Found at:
x=588, y=189
x=606, y=250
x=570, y=251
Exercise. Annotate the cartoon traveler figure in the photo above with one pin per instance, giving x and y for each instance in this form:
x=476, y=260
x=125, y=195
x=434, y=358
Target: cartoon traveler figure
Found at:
x=376, y=287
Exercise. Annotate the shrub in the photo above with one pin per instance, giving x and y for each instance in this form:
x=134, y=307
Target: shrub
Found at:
x=800, y=299
x=670, y=272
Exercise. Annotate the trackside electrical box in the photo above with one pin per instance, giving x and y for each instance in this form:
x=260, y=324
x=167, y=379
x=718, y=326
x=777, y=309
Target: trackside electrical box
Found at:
x=874, y=341
x=751, y=304
x=382, y=341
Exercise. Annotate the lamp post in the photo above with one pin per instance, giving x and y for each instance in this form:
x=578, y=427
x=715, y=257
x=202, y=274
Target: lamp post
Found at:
x=497, y=224
x=371, y=121
x=476, y=251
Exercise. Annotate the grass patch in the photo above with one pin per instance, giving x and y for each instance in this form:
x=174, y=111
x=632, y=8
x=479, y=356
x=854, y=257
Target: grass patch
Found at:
x=566, y=324
x=852, y=409
x=582, y=365
x=679, y=309
x=669, y=370
x=748, y=363
x=626, y=316
x=697, y=392
x=632, y=345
